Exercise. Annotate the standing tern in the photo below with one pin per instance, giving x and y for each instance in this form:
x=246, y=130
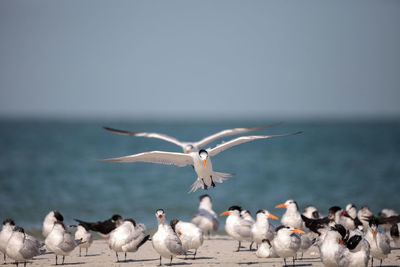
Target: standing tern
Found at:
x=83, y=233
x=287, y=242
x=291, y=217
x=165, y=241
x=379, y=242
x=331, y=248
x=128, y=237
x=22, y=247
x=205, y=218
x=60, y=241
x=48, y=222
x=266, y=250
x=237, y=227
x=188, y=147
x=5, y=234
x=261, y=229
x=201, y=161
x=190, y=235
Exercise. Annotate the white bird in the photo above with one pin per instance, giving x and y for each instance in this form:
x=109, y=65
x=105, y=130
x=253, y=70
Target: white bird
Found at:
x=331, y=248
x=246, y=215
x=237, y=227
x=356, y=252
x=22, y=247
x=165, y=241
x=261, y=229
x=128, y=237
x=205, y=218
x=348, y=217
x=48, y=222
x=84, y=234
x=311, y=212
x=190, y=235
x=266, y=250
x=286, y=242
x=201, y=161
x=292, y=216
x=5, y=234
x=378, y=241
x=394, y=233
x=188, y=147
x=363, y=214
x=60, y=241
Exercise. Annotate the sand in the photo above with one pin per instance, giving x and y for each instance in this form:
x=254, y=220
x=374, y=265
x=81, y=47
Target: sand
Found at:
x=218, y=251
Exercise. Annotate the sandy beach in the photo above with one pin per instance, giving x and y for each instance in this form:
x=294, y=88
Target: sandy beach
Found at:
x=217, y=251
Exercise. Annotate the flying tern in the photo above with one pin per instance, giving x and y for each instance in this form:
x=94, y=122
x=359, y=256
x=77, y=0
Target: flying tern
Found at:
x=188, y=147
x=201, y=161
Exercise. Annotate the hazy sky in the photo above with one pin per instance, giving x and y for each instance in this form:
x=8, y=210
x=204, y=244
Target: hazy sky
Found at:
x=200, y=58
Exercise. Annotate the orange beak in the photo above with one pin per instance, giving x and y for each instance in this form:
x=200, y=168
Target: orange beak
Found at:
x=373, y=234
x=272, y=217
x=340, y=241
x=224, y=213
x=283, y=205
x=204, y=162
x=187, y=151
x=297, y=231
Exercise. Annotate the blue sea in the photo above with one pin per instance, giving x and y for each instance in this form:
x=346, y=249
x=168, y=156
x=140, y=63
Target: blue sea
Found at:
x=53, y=164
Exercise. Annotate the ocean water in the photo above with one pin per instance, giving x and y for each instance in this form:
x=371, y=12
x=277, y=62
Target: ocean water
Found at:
x=53, y=164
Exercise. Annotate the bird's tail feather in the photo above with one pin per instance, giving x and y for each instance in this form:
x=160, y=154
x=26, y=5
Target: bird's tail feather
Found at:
x=219, y=177
x=197, y=184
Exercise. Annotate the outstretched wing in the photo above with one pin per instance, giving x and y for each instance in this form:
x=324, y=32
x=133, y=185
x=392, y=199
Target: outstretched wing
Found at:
x=178, y=159
x=243, y=139
x=228, y=132
x=149, y=135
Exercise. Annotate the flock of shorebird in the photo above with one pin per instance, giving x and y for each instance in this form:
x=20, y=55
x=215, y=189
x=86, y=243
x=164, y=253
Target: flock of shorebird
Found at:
x=344, y=237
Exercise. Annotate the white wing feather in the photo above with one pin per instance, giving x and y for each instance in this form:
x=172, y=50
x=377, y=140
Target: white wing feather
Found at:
x=169, y=158
x=228, y=132
x=240, y=140
x=149, y=135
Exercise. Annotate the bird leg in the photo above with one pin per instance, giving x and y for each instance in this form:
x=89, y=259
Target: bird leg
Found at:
x=86, y=251
x=284, y=260
x=4, y=258
x=160, y=262
x=238, y=247
x=194, y=256
x=116, y=253
x=63, y=260
x=251, y=245
x=381, y=263
x=56, y=260
x=125, y=256
x=80, y=251
x=212, y=182
x=293, y=261
x=170, y=262
x=372, y=262
x=204, y=184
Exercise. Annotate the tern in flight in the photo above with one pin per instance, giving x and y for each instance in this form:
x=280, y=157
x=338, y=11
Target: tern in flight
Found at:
x=201, y=161
x=188, y=147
